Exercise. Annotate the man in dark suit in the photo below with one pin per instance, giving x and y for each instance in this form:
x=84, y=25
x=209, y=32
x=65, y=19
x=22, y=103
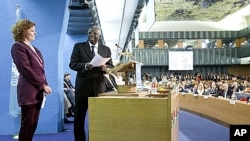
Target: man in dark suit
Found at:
x=225, y=91
x=69, y=91
x=110, y=83
x=89, y=78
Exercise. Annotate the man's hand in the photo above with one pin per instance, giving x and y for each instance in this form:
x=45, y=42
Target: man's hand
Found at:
x=89, y=66
x=104, y=68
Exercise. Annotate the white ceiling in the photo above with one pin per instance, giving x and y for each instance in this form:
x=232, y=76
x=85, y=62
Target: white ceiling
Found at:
x=115, y=18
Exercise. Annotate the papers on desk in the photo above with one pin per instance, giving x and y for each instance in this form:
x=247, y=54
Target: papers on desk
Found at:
x=98, y=60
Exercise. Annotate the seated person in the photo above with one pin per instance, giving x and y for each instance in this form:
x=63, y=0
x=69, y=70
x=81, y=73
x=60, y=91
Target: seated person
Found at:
x=185, y=86
x=243, y=85
x=119, y=78
x=110, y=83
x=214, y=89
x=225, y=91
x=69, y=91
x=247, y=89
x=243, y=95
x=207, y=88
x=200, y=88
x=67, y=82
x=68, y=113
x=234, y=86
x=194, y=89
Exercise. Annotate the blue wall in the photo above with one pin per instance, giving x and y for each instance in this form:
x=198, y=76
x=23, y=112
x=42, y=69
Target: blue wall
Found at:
x=51, y=18
x=68, y=47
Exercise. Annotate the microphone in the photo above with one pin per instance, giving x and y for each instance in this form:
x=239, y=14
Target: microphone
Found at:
x=118, y=46
x=125, y=53
x=122, y=53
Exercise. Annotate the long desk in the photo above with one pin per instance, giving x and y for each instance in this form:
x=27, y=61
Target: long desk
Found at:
x=133, y=118
x=217, y=109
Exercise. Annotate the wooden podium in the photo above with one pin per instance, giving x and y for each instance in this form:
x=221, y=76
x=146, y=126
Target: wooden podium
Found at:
x=126, y=68
x=131, y=118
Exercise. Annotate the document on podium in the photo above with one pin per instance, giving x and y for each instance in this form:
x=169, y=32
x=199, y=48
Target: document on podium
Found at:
x=98, y=60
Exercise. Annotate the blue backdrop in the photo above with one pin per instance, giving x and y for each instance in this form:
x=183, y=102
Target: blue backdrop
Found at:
x=51, y=18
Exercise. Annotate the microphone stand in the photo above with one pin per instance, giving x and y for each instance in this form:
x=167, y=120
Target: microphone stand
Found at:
x=125, y=53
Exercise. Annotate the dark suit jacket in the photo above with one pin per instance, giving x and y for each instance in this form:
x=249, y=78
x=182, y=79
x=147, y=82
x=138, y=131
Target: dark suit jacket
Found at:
x=32, y=76
x=89, y=83
x=222, y=93
x=108, y=86
x=67, y=84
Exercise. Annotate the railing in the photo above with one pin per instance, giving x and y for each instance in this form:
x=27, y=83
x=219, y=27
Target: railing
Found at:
x=201, y=56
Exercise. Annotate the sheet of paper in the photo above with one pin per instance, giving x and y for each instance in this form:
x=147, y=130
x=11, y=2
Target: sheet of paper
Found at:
x=98, y=60
x=43, y=103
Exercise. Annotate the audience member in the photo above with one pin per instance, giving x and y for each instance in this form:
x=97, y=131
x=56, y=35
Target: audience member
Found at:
x=225, y=92
x=194, y=89
x=207, y=88
x=110, y=83
x=214, y=89
x=200, y=88
x=67, y=106
x=119, y=78
x=183, y=87
x=69, y=91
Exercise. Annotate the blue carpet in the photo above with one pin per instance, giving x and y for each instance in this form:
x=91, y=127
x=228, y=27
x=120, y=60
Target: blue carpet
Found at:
x=191, y=128
x=196, y=128
x=66, y=135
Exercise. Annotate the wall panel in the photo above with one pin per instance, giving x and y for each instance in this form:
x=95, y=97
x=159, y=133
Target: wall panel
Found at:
x=208, y=56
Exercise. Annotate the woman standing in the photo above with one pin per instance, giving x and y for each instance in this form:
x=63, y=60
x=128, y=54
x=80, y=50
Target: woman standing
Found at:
x=32, y=85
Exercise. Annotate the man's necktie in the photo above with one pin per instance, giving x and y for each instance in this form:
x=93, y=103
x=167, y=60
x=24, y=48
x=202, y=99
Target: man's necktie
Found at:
x=93, y=50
